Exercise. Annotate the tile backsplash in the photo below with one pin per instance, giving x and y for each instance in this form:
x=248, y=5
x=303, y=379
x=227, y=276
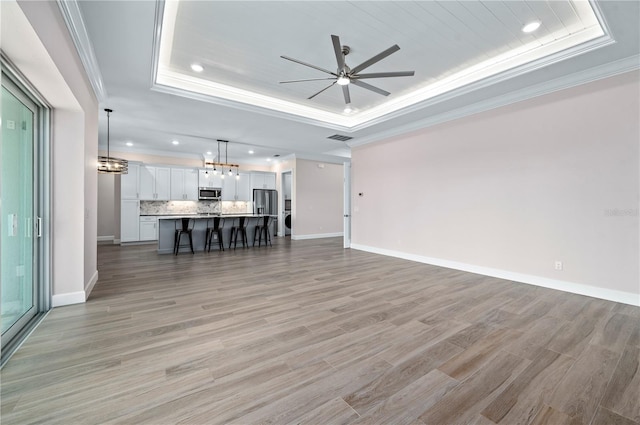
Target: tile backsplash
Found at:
x=194, y=207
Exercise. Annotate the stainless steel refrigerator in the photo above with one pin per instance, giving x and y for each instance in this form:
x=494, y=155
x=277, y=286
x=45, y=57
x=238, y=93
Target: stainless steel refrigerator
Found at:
x=265, y=201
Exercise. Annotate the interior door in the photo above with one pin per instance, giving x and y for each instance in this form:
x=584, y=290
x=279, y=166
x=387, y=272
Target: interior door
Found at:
x=21, y=225
x=347, y=205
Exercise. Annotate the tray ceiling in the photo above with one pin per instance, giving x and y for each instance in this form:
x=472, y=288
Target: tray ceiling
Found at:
x=449, y=45
x=138, y=55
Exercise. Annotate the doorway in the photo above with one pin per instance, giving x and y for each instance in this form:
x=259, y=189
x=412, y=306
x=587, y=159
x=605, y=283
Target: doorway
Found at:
x=23, y=296
x=287, y=202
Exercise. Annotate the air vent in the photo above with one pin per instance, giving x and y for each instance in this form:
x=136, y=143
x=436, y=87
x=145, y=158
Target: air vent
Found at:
x=340, y=137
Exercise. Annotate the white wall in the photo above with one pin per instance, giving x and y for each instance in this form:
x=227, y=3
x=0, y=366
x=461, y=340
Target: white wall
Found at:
x=106, y=206
x=318, y=199
x=510, y=191
x=35, y=39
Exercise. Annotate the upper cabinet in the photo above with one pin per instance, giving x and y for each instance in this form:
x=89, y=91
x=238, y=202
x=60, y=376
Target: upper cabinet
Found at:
x=207, y=179
x=164, y=183
x=237, y=189
x=129, y=183
x=263, y=180
x=184, y=184
x=155, y=183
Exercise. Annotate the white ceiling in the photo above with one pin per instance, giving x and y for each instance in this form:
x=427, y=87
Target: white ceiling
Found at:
x=144, y=51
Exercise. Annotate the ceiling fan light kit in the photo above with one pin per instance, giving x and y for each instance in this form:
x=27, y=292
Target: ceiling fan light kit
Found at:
x=344, y=76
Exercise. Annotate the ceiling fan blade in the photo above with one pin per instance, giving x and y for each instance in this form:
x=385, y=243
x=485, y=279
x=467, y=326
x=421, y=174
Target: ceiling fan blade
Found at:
x=370, y=87
x=330, y=85
x=375, y=59
x=309, y=65
x=337, y=48
x=345, y=92
x=384, y=74
x=311, y=79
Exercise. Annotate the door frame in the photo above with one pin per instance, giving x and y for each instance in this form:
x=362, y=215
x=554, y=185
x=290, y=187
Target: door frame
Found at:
x=346, y=219
x=11, y=76
x=281, y=229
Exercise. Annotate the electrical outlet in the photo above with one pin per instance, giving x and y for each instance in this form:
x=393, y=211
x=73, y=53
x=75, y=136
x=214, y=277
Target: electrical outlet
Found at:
x=11, y=125
x=558, y=265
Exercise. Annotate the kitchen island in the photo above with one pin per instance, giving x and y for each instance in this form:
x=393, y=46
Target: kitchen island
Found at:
x=167, y=226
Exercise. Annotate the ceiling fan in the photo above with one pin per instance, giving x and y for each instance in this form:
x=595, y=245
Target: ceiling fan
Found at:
x=345, y=75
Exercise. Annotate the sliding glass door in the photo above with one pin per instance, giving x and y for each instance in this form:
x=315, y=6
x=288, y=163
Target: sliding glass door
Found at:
x=20, y=236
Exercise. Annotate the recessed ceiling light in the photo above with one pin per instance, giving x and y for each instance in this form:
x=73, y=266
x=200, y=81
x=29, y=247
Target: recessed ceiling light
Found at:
x=129, y=144
x=268, y=159
x=347, y=109
x=250, y=152
x=196, y=67
x=175, y=142
x=531, y=26
x=209, y=153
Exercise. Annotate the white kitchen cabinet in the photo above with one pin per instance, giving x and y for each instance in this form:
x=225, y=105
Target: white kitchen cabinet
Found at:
x=155, y=183
x=207, y=179
x=149, y=228
x=234, y=189
x=270, y=181
x=191, y=184
x=263, y=180
x=184, y=184
x=129, y=220
x=228, y=188
x=129, y=183
x=243, y=188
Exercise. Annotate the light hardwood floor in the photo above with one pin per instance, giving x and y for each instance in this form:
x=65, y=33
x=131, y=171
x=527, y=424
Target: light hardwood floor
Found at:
x=307, y=332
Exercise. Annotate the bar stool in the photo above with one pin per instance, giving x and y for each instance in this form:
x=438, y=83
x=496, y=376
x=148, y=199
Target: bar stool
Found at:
x=240, y=228
x=262, y=227
x=183, y=226
x=214, y=228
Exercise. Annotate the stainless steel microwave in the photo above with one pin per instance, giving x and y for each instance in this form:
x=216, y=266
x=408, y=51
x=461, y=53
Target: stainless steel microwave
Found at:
x=209, y=193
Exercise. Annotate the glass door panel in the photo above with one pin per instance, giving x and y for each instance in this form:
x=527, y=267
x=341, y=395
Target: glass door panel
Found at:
x=17, y=238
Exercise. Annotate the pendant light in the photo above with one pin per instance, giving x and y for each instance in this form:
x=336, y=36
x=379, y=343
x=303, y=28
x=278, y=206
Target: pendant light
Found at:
x=108, y=164
x=224, y=164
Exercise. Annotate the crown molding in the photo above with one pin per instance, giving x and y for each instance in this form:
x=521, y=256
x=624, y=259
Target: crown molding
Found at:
x=495, y=79
x=607, y=70
x=330, y=159
x=75, y=25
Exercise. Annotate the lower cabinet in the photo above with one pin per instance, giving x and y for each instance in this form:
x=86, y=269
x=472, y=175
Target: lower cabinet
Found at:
x=129, y=220
x=148, y=228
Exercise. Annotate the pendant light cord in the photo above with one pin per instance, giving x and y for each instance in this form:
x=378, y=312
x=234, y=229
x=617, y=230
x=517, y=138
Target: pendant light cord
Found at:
x=108, y=133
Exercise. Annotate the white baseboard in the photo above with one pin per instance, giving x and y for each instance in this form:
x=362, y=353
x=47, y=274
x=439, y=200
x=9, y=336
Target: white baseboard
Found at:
x=116, y=241
x=59, y=300
x=560, y=285
x=316, y=236
x=106, y=238
x=89, y=286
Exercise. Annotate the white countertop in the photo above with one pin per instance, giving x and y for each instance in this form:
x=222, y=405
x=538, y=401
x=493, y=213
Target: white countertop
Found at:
x=205, y=216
